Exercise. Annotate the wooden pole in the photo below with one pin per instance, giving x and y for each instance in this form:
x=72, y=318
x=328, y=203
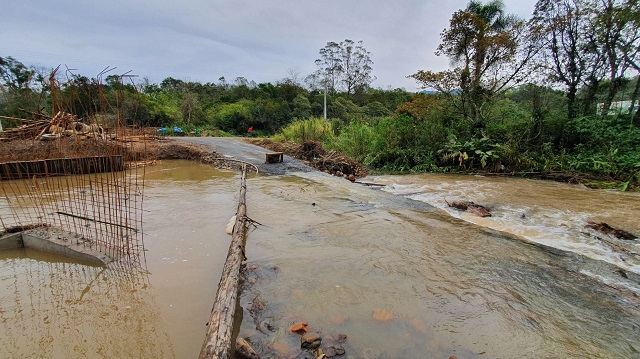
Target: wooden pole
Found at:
x=217, y=343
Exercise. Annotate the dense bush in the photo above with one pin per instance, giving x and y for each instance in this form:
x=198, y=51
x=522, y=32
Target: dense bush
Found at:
x=606, y=145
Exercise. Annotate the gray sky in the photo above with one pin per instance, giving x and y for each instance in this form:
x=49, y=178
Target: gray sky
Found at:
x=202, y=40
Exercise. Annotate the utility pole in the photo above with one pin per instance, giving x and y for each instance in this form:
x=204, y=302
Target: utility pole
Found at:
x=325, y=99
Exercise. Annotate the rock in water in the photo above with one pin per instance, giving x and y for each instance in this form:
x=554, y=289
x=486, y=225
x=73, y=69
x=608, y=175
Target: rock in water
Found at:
x=310, y=340
x=300, y=327
x=607, y=229
x=334, y=350
x=244, y=350
x=330, y=352
x=306, y=354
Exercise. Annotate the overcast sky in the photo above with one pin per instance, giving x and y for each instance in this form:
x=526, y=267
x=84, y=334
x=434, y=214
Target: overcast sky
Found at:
x=202, y=40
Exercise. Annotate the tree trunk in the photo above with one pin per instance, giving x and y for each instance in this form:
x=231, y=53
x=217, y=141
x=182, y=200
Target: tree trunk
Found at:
x=634, y=100
x=571, y=101
x=614, y=85
x=218, y=341
x=590, y=97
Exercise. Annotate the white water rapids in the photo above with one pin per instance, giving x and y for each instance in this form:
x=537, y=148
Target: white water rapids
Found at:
x=543, y=212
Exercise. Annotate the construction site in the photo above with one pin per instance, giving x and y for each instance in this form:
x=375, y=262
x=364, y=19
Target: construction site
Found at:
x=79, y=182
x=73, y=181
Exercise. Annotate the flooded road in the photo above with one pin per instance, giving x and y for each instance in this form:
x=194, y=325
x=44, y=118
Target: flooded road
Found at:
x=407, y=281
x=549, y=213
x=400, y=276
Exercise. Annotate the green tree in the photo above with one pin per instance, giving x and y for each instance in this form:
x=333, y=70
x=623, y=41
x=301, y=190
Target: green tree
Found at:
x=376, y=109
x=343, y=66
x=301, y=107
x=192, y=112
x=14, y=74
x=490, y=50
x=20, y=87
x=567, y=56
x=616, y=27
x=344, y=109
x=548, y=112
x=233, y=117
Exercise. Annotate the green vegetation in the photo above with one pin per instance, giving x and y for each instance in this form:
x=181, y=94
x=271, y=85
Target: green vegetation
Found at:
x=312, y=129
x=514, y=101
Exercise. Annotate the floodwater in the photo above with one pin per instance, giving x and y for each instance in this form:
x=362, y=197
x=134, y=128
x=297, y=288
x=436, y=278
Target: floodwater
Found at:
x=54, y=307
x=394, y=269
x=403, y=280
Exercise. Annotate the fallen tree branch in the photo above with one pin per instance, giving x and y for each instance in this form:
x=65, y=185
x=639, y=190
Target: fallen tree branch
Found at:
x=218, y=340
x=370, y=184
x=478, y=210
x=255, y=224
x=607, y=229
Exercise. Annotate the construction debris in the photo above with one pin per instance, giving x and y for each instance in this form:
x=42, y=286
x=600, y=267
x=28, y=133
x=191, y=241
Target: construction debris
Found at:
x=53, y=175
x=44, y=127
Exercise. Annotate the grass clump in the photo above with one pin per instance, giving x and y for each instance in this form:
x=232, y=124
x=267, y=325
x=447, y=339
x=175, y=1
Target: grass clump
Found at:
x=311, y=129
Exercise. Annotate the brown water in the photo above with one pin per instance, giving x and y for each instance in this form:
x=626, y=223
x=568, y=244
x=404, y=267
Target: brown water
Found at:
x=53, y=307
x=549, y=213
x=448, y=286
x=453, y=287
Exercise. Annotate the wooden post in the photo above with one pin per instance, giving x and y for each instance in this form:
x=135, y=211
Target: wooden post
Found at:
x=217, y=343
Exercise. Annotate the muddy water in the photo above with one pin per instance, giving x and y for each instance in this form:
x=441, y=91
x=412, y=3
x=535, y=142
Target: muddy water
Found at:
x=403, y=280
x=398, y=276
x=56, y=308
x=548, y=213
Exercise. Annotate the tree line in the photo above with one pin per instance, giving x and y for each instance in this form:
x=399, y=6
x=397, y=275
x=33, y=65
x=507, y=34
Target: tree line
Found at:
x=555, y=92
x=344, y=72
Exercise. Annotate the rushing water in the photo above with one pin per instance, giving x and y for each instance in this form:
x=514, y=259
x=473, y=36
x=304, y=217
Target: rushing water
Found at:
x=448, y=286
x=393, y=268
x=548, y=213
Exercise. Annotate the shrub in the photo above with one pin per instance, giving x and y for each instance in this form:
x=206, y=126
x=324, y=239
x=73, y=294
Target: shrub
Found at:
x=354, y=140
x=311, y=129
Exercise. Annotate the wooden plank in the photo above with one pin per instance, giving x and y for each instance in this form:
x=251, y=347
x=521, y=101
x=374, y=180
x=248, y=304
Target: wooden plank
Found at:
x=218, y=340
x=274, y=157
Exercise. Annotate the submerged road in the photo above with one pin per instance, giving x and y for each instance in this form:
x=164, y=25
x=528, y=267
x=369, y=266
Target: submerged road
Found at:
x=236, y=148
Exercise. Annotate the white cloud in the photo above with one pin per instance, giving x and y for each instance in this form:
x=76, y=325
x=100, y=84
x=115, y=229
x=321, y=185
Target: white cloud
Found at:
x=202, y=40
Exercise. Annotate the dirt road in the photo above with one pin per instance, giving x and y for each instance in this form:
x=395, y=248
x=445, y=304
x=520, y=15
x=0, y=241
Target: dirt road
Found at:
x=236, y=148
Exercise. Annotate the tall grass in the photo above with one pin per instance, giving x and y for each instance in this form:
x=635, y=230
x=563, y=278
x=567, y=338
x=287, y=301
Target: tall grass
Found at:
x=311, y=129
x=355, y=140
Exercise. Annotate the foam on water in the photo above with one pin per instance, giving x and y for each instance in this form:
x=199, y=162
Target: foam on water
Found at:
x=562, y=229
